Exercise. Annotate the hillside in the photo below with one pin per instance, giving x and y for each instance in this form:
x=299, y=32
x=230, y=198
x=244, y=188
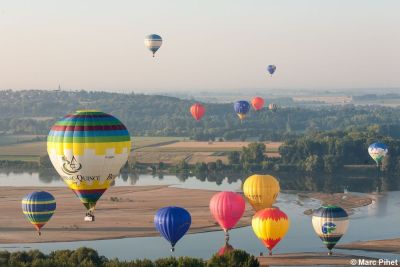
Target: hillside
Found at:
x=34, y=111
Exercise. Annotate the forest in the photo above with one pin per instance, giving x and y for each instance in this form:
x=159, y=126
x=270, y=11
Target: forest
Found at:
x=35, y=111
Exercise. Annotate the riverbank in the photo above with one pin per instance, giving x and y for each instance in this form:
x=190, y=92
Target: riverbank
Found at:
x=122, y=212
x=387, y=245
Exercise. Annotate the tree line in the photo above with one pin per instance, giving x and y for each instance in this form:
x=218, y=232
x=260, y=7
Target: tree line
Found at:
x=87, y=257
x=35, y=111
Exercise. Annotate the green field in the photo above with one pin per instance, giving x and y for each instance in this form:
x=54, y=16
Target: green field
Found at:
x=15, y=139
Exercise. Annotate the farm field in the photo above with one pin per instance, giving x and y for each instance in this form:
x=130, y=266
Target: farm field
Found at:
x=170, y=150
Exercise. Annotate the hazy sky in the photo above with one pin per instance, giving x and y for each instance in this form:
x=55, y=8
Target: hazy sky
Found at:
x=208, y=44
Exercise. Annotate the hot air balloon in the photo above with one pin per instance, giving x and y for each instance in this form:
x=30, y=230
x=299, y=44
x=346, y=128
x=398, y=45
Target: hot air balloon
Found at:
x=225, y=249
x=257, y=103
x=378, y=151
x=172, y=223
x=241, y=108
x=38, y=208
x=153, y=42
x=270, y=225
x=227, y=209
x=261, y=191
x=88, y=149
x=273, y=107
x=197, y=110
x=330, y=223
x=271, y=69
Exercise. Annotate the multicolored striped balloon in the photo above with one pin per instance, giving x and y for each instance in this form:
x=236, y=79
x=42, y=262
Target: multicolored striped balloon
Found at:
x=330, y=223
x=270, y=225
x=88, y=149
x=38, y=208
x=378, y=151
x=153, y=42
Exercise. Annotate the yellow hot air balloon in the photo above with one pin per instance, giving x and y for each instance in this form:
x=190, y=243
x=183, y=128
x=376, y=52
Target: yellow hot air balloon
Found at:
x=270, y=225
x=88, y=149
x=261, y=191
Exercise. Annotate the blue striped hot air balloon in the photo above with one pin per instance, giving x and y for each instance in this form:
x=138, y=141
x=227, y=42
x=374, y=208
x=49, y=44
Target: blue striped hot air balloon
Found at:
x=153, y=42
x=38, y=208
x=330, y=224
x=241, y=108
x=172, y=223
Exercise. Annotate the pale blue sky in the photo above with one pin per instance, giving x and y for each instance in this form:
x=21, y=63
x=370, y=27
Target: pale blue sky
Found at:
x=208, y=44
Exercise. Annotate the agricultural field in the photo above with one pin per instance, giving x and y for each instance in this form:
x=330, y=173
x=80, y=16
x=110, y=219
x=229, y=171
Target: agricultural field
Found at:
x=170, y=150
x=193, y=151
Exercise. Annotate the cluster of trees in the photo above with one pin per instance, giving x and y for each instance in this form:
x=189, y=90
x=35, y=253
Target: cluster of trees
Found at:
x=87, y=257
x=34, y=111
x=330, y=151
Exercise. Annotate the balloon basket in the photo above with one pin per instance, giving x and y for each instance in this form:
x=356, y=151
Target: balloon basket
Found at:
x=89, y=218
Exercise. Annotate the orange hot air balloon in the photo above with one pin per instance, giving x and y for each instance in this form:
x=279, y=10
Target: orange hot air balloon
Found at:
x=197, y=111
x=270, y=225
x=257, y=103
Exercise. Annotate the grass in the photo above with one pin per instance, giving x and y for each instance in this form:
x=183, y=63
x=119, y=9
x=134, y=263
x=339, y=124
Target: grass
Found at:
x=15, y=139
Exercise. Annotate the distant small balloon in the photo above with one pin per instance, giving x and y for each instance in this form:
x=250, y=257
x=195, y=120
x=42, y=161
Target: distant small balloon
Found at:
x=273, y=107
x=378, y=152
x=38, y=208
x=241, y=108
x=172, y=223
x=197, y=110
x=257, y=103
x=153, y=42
x=271, y=69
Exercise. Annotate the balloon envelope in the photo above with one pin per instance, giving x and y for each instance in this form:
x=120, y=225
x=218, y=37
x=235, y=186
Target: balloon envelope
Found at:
x=172, y=223
x=330, y=224
x=241, y=108
x=270, y=225
x=38, y=208
x=257, y=103
x=88, y=149
x=271, y=69
x=197, y=110
x=227, y=208
x=378, y=151
x=153, y=42
x=261, y=191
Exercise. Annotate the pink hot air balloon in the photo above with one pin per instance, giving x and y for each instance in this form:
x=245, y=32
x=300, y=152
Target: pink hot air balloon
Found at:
x=227, y=209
